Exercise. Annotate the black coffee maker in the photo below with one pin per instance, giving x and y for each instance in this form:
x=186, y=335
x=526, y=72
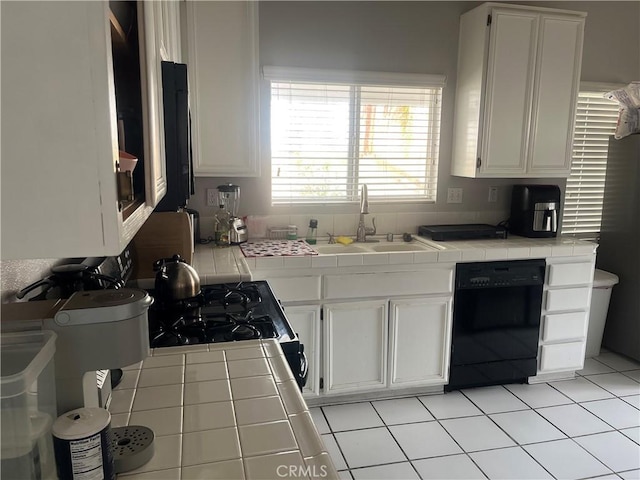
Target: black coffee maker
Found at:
x=535, y=210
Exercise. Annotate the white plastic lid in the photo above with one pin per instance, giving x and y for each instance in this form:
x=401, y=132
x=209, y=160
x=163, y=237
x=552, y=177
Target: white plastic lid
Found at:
x=81, y=423
x=604, y=279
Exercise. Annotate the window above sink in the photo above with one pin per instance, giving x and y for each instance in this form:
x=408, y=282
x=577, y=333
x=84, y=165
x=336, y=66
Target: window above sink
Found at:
x=332, y=131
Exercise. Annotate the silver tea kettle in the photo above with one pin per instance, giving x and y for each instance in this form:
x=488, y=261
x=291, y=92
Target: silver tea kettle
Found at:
x=175, y=279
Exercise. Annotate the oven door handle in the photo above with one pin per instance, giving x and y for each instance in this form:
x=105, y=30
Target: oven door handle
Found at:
x=304, y=367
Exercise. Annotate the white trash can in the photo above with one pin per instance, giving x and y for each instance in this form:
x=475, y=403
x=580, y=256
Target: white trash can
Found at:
x=603, y=282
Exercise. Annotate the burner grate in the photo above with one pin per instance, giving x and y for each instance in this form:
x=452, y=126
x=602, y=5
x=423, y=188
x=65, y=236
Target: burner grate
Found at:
x=220, y=313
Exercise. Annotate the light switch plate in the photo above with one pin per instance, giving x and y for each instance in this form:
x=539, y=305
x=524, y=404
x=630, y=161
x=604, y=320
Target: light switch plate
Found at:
x=454, y=195
x=493, y=194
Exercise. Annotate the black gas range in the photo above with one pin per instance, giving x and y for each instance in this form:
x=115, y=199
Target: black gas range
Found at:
x=227, y=312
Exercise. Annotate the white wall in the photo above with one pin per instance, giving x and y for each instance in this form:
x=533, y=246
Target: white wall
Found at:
x=420, y=37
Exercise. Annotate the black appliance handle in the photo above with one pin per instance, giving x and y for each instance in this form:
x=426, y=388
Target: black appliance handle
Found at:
x=304, y=368
x=40, y=283
x=111, y=281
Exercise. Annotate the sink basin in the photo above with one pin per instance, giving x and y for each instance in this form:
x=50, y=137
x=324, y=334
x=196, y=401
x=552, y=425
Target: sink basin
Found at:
x=383, y=247
x=337, y=248
x=400, y=247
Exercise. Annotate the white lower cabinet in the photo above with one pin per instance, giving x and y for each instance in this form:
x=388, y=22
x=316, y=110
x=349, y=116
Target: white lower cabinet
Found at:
x=355, y=346
x=361, y=335
x=419, y=343
x=305, y=321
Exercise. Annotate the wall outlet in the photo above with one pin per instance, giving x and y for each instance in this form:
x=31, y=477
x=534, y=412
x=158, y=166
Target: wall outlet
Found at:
x=212, y=197
x=493, y=194
x=454, y=195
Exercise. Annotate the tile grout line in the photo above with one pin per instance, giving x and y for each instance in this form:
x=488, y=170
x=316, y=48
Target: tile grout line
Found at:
x=396, y=440
x=235, y=413
x=456, y=442
x=529, y=407
x=518, y=444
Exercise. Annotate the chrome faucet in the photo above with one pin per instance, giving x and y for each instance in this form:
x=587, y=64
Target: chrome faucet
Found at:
x=363, y=231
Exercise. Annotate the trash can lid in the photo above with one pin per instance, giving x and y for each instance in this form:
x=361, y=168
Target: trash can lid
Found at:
x=604, y=279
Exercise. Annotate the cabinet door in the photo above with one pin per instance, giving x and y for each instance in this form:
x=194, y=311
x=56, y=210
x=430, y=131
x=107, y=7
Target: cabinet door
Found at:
x=508, y=93
x=355, y=346
x=168, y=25
x=420, y=336
x=558, y=76
x=224, y=80
x=305, y=321
x=151, y=57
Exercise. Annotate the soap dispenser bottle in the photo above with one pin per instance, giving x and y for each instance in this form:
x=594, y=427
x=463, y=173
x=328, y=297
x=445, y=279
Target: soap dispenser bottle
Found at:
x=312, y=233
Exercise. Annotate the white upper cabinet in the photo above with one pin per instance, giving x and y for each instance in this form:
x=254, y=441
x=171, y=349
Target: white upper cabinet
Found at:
x=518, y=76
x=167, y=15
x=76, y=76
x=222, y=39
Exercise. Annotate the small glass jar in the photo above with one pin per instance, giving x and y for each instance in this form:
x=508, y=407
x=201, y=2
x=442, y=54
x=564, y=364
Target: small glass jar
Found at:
x=292, y=232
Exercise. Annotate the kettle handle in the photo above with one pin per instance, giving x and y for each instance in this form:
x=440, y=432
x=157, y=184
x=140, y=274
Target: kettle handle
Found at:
x=158, y=264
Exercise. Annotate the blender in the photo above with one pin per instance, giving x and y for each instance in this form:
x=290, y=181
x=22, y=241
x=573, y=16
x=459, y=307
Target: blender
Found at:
x=229, y=196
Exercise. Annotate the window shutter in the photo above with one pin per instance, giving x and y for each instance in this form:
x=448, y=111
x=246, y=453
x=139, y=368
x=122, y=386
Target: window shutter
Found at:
x=595, y=122
x=329, y=138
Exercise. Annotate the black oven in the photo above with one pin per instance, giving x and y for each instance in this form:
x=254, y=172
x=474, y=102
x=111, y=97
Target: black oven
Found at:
x=496, y=322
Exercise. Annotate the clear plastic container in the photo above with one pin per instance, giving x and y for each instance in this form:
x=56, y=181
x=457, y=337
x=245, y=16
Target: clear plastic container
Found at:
x=28, y=405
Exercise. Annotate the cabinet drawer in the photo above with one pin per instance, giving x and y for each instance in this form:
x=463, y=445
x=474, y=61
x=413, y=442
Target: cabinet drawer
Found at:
x=562, y=356
x=570, y=274
x=564, y=326
x=363, y=285
x=568, y=299
x=296, y=289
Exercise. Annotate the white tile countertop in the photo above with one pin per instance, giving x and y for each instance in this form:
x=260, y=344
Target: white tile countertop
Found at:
x=220, y=264
x=227, y=411
x=216, y=265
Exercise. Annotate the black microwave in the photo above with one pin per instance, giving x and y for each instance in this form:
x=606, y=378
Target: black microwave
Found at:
x=177, y=138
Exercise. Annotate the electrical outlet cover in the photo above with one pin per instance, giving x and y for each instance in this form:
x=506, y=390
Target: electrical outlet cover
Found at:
x=212, y=197
x=454, y=195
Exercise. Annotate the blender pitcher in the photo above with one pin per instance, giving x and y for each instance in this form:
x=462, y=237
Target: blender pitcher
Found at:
x=229, y=196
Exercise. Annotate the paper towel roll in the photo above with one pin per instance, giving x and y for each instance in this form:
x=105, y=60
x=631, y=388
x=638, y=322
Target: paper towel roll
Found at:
x=81, y=440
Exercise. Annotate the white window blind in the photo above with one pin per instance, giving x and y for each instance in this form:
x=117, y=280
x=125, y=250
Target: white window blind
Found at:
x=330, y=137
x=595, y=122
